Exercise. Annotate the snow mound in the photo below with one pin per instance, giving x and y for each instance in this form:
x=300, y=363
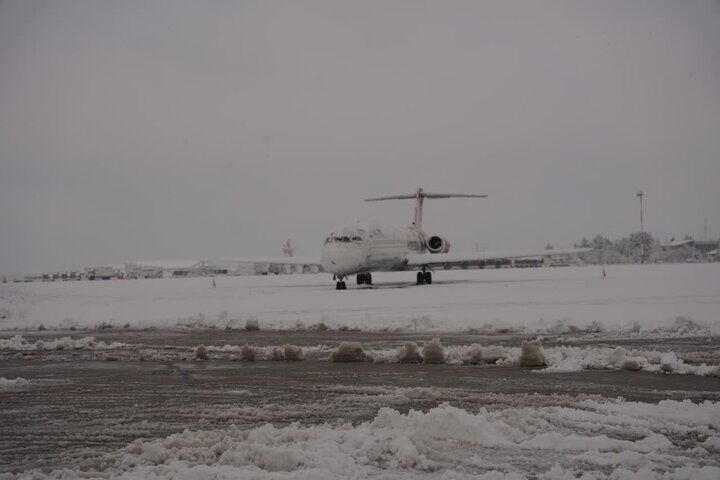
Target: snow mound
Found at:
x=532, y=354
x=684, y=325
x=409, y=353
x=349, y=352
x=433, y=352
x=712, y=444
x=201, y=353
x=597, y=439
x=632, y=364
x=19, y=343
x=473, y=356
x=18, y=383
x=247, y=353
x=292, y=353
x=575, y=359
x=493, y=354
x=275, y=354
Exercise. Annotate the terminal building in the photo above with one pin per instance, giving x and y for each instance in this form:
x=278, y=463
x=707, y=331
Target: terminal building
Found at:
x=694, y=248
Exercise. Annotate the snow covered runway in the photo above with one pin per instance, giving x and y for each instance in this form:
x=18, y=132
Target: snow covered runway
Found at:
x=632, y=299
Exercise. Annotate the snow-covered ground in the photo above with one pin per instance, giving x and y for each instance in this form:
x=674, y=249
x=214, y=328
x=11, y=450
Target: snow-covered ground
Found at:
x=658, y=300
x=97, y=402
x=598, y=439
x=13, y=383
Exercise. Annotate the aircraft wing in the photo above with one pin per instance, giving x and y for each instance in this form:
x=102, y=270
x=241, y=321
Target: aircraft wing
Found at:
x=420, y=259
x=274, y=260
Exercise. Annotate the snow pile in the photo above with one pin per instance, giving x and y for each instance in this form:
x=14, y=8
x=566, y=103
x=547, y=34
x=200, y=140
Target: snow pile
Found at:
x=557, y=359
x=274, y=353
x=433, y=352
x=292, y=353
x=18, y=343
x=532, y=354
x=201, y=353
x=18, y=383
x=288, y=353
x=409, y=353
x=632, y=364
x=252, y=324
x=681, y=326
x=247, y=353
x=493, y=354
x=603, y=440
x=349, y=352
x=574, y=359
x=474, y=355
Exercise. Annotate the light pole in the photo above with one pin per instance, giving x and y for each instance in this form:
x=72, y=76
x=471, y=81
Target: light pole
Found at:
x=640, y=194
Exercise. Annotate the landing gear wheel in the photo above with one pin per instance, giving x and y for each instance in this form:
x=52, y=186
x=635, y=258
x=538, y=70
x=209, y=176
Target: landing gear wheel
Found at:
x=340, y=286
x=368, y=279
x=428, y=278
x=360, y=278
x=420, y=278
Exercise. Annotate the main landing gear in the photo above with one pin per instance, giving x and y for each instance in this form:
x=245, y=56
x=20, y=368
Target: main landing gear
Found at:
x=364, y=279
x=424, y=277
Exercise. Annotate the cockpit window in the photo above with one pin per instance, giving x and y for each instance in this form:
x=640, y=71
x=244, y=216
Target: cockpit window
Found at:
x=332, y=238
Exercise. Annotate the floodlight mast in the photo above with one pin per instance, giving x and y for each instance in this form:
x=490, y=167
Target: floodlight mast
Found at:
x=420, y=195
x=640, y=194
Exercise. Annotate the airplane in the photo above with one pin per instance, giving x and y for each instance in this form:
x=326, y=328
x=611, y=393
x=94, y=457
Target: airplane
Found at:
x=362, y=249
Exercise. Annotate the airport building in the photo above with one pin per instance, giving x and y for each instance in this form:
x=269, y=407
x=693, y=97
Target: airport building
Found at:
x=692, y=249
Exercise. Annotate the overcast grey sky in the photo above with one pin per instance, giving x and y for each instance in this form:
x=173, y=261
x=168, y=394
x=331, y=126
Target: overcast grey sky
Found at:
x=136, y=130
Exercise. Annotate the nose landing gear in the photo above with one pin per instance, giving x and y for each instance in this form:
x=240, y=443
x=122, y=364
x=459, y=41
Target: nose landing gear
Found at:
x=424, y=277
x=340, y=284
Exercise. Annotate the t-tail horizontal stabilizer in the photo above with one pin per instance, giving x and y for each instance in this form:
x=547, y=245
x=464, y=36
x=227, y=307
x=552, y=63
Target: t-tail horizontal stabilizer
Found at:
x=421, y=195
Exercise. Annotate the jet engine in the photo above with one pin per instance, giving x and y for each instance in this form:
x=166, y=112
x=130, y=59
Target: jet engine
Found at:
x=437, y=244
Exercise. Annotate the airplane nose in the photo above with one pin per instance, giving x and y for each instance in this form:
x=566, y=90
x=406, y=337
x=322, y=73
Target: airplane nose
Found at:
x=342, y=259
x=329, y=259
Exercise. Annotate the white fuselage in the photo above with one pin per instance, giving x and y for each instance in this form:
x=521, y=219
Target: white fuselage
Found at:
x=349, y=250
